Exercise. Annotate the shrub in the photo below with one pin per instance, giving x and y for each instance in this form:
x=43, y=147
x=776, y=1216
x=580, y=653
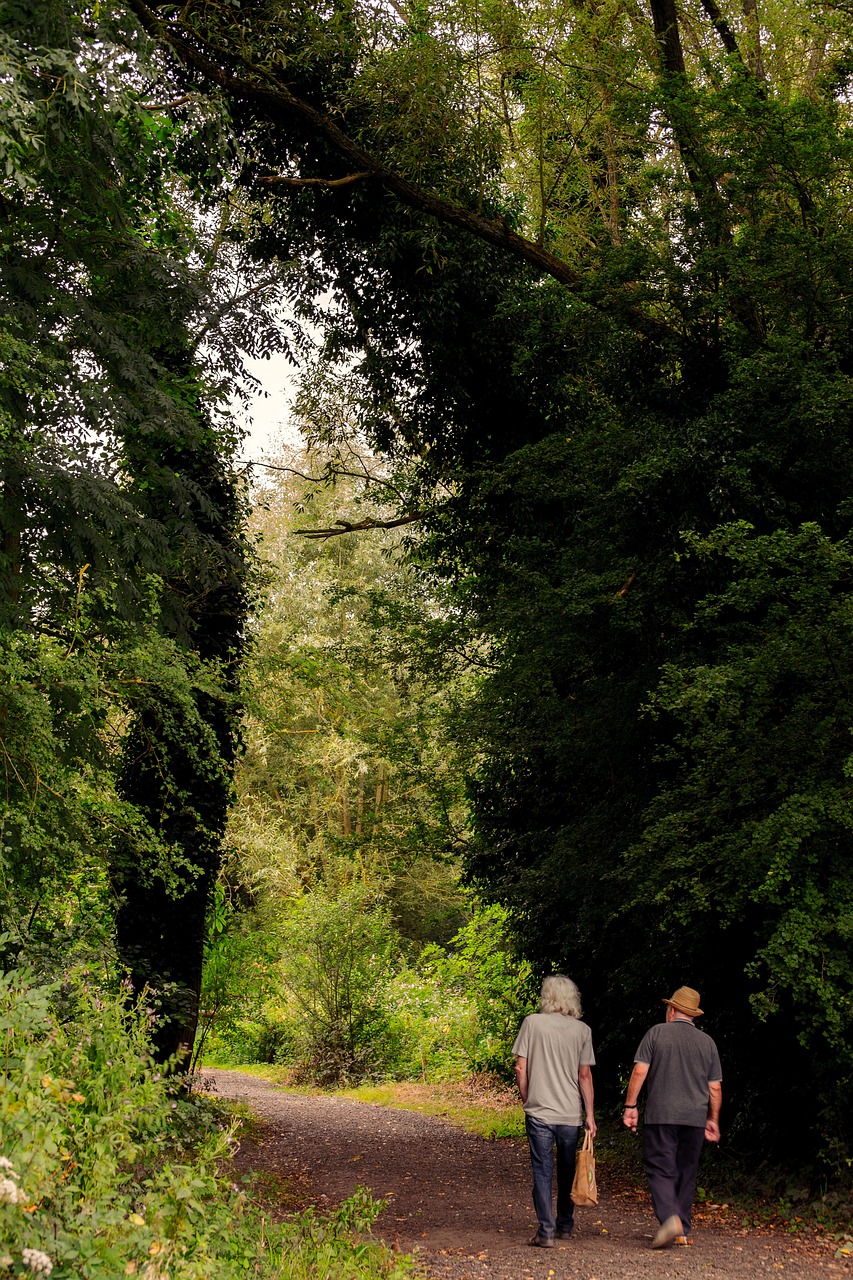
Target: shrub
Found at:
x=339, y=950
x=107, y=1170
x=483, y=970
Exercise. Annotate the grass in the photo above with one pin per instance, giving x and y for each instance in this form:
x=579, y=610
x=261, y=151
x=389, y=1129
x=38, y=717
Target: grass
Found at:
x=478, y=1105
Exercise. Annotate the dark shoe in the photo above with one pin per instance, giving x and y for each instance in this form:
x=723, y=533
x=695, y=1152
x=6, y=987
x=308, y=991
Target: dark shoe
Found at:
x=542, y=1242
x=564, y=1233
x=668, y=1232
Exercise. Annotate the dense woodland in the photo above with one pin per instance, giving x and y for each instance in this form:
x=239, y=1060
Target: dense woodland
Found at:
x=537, y=654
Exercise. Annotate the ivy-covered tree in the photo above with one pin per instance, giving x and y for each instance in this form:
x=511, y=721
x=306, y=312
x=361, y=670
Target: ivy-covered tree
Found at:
x=122, y=560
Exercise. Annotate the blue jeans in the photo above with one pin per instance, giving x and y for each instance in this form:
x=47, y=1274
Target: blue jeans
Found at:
x=542, y=1139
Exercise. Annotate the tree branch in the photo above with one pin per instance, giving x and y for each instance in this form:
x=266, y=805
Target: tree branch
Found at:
x=331, y=471
x=279, y=179
x=345, y=526
x=722, y=28
x=170, y=106
x=273, y=99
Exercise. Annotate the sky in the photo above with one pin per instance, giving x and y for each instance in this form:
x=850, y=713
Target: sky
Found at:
x=268, y=418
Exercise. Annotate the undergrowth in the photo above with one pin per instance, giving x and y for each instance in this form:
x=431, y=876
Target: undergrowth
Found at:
x=108, y=1169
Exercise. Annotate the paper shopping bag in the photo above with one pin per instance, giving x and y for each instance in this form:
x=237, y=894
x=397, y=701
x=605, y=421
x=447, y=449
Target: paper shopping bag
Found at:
x=584, y=1190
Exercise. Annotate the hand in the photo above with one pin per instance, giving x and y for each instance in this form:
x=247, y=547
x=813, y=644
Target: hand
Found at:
x=712, y=1131
x=591, y=1125
x=630, y=1119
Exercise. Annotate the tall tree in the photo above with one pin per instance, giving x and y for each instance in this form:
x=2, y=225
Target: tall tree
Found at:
x=597, y=261
x=122, y=564
x=348, y=758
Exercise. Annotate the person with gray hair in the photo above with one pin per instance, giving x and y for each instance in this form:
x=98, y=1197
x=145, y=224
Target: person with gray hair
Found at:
x=553, y=1061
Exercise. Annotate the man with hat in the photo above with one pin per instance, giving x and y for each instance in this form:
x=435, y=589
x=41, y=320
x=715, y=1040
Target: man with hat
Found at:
x=680, y=1066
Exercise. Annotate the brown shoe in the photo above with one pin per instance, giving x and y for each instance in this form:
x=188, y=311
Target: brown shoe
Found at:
x=683, y=1240
x=668, y=1232
x=542, y=1242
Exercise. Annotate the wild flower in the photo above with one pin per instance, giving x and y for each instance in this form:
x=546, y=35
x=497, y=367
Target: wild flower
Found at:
x=6, y=1163
x=10, y=1192
x=37, y=1261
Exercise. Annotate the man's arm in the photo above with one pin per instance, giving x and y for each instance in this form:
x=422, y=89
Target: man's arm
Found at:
x=630, y=1115
x=588, y=1095
x=521, y=1078
x=715, y=1102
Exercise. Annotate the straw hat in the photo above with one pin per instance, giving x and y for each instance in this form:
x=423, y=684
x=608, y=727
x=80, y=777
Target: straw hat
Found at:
x=685, y=1000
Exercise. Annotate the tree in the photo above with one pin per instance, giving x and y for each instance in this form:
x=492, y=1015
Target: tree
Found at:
x=122, y=562
x=348, y=757
x=596, y=262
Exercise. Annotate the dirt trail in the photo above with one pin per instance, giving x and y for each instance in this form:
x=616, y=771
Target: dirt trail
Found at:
x=462, y=1203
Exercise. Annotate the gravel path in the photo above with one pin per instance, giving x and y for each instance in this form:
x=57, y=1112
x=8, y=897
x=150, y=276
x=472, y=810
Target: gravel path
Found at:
x=462, y=1203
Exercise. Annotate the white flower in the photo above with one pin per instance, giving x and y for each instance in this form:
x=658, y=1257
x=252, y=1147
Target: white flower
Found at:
x=10, y=1193
x=37, y=1261
x=6, y=1164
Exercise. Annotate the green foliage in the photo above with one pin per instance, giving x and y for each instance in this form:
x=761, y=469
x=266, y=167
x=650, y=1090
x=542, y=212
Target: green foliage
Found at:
x=346, y=750
x=122, y=564
x=756, y=818
x=483, y=969
x=63, y=697
x=106, y=1169
x=93, y=1138
x=338, y=952
x=312, y=1246
x=343, y=1004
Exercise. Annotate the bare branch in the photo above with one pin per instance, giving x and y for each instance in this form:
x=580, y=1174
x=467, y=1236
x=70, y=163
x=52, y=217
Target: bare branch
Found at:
x=623, y=591
x=345, y=526
x=170, y=106
x=331, y=471
x=279, y=179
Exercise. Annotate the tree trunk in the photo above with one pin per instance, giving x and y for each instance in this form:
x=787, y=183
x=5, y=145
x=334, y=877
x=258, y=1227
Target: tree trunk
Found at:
x=179, y=759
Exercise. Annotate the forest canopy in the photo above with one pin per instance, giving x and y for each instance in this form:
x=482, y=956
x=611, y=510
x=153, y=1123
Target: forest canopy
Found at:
x=580, y=276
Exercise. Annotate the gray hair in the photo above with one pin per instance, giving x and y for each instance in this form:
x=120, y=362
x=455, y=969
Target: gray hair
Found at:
x=560, y=995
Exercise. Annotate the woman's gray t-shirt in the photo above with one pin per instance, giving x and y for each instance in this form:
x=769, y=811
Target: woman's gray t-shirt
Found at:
x=555, y=1046
x=682, y=1062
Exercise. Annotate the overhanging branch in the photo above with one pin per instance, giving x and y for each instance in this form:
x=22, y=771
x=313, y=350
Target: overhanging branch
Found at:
x=282, y=180
x=272, y=99
x=346, y=526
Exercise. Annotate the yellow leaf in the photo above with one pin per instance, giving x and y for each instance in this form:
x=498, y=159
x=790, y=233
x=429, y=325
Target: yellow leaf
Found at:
x=130, y=1269
x=137, y=1219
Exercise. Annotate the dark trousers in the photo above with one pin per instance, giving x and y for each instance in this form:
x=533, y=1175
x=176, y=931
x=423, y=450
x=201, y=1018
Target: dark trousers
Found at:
x=671, y=1156
x=542, y=1138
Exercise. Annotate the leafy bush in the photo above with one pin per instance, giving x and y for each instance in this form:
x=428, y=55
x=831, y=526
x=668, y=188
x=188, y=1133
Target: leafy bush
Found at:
x=483, y=970
x=108, y=1170
x=339, y=949
x=428, y=1026
x=238, y=982
x=350, y=1008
